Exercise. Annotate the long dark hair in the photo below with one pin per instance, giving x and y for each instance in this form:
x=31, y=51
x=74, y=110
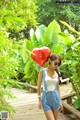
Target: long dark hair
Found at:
x=54, y=57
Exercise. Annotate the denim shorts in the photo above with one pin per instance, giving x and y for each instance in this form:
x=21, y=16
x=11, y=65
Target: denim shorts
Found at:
x=50, y=100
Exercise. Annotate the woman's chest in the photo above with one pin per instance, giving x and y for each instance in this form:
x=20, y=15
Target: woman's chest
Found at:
x=51, y=81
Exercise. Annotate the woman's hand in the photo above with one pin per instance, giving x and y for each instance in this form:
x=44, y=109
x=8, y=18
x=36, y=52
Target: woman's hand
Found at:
x=61, y=107
x=40, y=104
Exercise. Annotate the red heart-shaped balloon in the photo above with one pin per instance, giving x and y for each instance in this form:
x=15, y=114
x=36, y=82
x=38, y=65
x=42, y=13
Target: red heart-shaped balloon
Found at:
x=41, y=55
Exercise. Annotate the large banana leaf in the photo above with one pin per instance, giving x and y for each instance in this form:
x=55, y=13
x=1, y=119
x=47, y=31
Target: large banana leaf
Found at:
x=51, y=32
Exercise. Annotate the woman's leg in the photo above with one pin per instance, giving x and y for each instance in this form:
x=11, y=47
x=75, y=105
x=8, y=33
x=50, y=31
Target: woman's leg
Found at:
x=50, y=115
x=55, y=113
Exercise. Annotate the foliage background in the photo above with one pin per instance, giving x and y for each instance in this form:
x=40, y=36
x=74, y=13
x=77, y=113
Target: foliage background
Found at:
x=15, y=16
x=28, y=24
x=49, y=10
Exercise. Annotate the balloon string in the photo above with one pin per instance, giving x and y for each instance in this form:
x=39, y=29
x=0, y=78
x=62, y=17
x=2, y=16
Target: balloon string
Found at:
x=30, y=52
x=42, y=68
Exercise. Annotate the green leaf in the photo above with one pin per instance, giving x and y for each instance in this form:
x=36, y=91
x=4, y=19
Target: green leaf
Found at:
x=68, y=39
x=52, y=29
x=27, y=48
x=40, y=32
x=58, y=49
x=71, y=28
x=77, y=103
x=27, y=67
x=32, y=35
x=29, y=45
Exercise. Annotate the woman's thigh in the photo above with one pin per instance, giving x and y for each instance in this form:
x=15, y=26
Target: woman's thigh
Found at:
x=50, y=115
x=55, y=113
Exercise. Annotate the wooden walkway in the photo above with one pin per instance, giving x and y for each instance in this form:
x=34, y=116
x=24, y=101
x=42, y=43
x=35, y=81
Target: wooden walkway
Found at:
x=25, y=104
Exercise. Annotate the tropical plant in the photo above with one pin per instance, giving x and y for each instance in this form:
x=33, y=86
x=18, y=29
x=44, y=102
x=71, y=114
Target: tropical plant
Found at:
x=63, y=43
x=8, y=67
x=15, y=16
x=72, y=61
x=42, y=36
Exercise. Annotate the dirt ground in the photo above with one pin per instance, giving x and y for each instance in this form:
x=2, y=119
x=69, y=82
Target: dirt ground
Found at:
x=26, y=105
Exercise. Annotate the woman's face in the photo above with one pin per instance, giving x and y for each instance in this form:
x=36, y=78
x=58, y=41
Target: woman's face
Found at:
x=55, y=63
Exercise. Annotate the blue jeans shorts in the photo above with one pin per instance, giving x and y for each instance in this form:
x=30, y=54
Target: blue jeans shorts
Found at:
x=50, y=100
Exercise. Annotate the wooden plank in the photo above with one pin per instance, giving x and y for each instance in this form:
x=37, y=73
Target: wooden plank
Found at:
x=32, y=88
x=67, y=96
x=71, y=109
x=69, y=100
x=20, y=83
x=27, y=85
x=65, y=80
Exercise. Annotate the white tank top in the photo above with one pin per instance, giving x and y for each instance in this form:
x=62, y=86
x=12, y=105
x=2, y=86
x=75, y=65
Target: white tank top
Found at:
x=50, y=82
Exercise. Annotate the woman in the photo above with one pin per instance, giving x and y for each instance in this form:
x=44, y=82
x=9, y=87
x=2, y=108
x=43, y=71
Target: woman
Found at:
x=50, y=99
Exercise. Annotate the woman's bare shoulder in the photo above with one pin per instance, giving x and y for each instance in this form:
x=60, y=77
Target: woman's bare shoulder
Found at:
x=41, y=70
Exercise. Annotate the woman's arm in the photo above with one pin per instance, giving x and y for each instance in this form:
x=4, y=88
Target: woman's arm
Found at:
x=39, y=84
x=58, y=88
x=61, y=107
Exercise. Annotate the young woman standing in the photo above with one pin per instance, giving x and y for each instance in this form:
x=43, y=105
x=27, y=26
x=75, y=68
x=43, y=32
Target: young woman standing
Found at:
x=50, y=99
